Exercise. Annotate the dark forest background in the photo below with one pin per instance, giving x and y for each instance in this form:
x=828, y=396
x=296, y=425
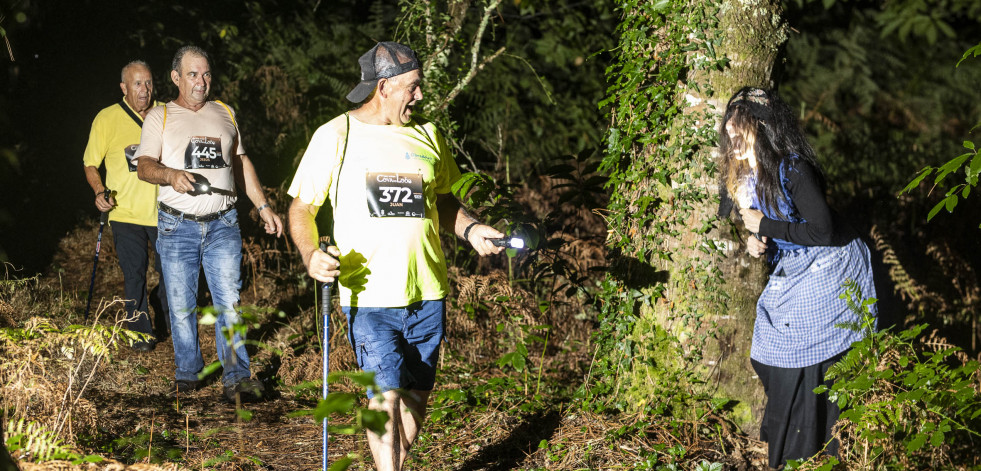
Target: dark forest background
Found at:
x=883, y=88
x=880, y=101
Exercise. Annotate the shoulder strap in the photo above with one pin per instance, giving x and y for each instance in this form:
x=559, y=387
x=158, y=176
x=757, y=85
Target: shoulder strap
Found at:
x=164, y=124
x=337, y=182
x=229, y=110
x=131, y=113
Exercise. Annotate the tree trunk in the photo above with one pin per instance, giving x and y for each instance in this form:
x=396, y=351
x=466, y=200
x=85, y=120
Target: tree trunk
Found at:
x=697, y=286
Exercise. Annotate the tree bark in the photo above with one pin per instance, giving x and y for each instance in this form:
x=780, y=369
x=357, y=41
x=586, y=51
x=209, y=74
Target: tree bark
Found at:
x=703, y=298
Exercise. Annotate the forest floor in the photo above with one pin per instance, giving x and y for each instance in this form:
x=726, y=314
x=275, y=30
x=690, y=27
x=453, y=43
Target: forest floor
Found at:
x=482, y=416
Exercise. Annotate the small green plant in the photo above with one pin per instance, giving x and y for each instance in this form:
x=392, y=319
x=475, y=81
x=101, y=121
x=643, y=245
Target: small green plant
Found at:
x=156, y=448
x=342, y=403
x=32, y=441
x=908, y=402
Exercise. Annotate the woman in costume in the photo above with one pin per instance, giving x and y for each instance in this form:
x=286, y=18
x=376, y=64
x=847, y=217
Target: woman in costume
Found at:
x=770, y=170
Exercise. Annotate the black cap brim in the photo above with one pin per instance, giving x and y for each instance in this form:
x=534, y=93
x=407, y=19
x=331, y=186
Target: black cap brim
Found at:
x=362, y=91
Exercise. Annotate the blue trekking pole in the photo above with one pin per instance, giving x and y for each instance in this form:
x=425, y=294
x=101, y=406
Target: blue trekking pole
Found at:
x=103, y=219
x=325, y=309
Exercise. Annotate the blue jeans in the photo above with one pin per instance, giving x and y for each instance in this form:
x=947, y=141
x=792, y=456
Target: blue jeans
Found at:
x=186, y=246
x=400, y=345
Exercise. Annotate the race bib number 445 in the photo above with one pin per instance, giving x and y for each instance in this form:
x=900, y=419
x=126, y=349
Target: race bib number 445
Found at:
x=204, y=152
x=395, y=195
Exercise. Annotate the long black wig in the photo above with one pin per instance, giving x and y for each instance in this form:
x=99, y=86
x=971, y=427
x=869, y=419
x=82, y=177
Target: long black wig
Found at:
x=762, y=115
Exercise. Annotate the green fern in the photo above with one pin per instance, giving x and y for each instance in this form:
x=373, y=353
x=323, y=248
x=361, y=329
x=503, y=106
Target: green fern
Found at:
x=34, y=441
x=905, y=400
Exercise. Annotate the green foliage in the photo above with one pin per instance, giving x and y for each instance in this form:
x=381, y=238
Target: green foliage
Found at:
x=31, y=441
x=971, y=170
x=496, y=203
x=341, y=403
x=906, y=401
x=540, y=75
x=972, y=52
x=919, y=19
x=959, y=191
x=276, y=63
x=161, y=446
x=878, y=108
x=656, y=172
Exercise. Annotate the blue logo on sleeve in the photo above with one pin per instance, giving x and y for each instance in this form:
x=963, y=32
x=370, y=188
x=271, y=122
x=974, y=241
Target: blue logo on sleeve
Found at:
x=427, y=158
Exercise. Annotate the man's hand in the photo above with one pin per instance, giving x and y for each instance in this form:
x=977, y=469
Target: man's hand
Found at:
x=103, y=204
x=479, y=237
x=274, y=225
x=181, y=181
x=756, y=247
x=751, y=218
x=324, y=266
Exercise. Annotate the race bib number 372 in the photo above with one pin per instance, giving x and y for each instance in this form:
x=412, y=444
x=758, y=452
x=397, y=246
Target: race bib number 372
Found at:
x=204, y=152
x=395, y=195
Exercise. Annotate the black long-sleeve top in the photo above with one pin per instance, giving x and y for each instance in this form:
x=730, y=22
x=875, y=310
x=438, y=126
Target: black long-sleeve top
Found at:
x=820, y=225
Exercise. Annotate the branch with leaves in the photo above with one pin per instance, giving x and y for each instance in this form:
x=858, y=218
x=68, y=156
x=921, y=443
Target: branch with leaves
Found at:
x=971, y=171
x=957, y=192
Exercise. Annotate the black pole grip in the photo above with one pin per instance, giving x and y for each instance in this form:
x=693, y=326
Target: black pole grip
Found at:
x=326, y=293
x=104, y=215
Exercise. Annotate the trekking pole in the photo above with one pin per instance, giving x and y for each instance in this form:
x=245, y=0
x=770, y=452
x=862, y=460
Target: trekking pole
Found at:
x=325, y=309
x=103, y=219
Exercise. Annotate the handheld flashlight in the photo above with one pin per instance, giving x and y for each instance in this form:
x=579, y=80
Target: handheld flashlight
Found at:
x=200, y=184
x=509, y=242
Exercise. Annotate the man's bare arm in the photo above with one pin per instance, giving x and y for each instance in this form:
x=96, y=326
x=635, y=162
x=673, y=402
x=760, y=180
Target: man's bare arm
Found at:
x=151, y=170
x=102, y=203
x=303, y=230
x=455, y=219
x=246, y=178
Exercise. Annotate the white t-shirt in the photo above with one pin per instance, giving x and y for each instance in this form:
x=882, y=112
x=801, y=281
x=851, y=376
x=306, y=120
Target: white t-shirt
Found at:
x=204, y=142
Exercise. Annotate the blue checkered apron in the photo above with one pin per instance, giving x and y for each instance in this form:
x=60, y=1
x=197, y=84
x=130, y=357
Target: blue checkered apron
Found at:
x=798, y=310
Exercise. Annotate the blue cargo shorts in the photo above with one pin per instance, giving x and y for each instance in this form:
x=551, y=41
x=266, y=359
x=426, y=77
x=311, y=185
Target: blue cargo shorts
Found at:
x=400, y=345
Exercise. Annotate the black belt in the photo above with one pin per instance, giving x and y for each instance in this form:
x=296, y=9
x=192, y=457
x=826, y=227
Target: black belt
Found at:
x=194, y=217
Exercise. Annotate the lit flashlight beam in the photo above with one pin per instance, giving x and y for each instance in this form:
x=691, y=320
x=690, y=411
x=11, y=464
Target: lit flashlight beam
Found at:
x=200, y=184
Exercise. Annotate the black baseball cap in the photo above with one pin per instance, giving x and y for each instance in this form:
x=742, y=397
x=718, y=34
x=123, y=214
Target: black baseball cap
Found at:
x=385, y=60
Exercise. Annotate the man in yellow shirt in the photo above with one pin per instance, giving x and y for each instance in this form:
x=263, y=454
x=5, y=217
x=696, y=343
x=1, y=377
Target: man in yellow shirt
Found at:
x=113, y=139
x=388, y=178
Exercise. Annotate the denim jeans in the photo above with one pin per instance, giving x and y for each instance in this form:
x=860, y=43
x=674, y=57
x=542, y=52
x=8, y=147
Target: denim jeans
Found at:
x=400, y=345
x=186, y=246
